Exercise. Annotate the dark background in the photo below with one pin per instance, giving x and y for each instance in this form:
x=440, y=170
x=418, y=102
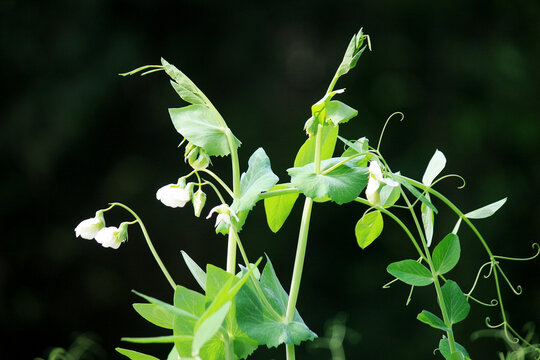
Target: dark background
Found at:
x=75, y=136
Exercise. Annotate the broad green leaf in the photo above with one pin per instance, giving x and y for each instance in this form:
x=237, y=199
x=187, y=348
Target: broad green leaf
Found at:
x=432, y=320
x=415, y=192
x=264, y=320
x=189, y=300
x=278, y=208
x=341, y=185
x=201, y=126
x=195, y=269
x=338, y=112
x=434, y=168
x=209, y=328
x=444, y=348
x=486, y=211
x=135, y=355
x=368, y=228
x=446, y=254
x=410, y=272
x=306, y=154
x=155, y=314
x=428, y=220
x=455, y=302
x=257, y=179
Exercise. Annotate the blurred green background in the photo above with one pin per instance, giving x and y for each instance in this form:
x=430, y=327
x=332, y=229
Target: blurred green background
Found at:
x=75, y=136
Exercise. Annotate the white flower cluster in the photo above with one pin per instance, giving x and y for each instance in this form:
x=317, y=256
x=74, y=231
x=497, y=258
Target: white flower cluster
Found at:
x=94, y=228
x=376, y=180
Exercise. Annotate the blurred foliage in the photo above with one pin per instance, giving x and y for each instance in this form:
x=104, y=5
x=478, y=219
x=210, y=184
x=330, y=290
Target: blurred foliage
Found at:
x=75, y=136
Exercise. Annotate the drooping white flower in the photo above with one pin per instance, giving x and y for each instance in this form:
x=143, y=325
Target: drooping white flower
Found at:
x=112, y=236
x=87, y=229
x=374, y=182
x=224, y=214
x=173, y=195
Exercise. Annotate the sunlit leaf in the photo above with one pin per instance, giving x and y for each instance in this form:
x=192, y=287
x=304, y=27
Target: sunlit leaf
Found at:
x=368, y=228
x=444, y=348
x=455, y=302
x=410, y=272
x=434, y=168
x=278, y=208
x=135, y=355
x=446, y=254
x=155, y=314
x=486, y=211
x=432, y=320
x=306, y=154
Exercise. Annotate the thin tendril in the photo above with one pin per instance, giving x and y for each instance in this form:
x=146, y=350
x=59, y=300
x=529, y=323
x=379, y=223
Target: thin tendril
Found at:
x=384, y=127
x=142, y=68
x=451, y=176
x=488, y=324
x=387, y=285
x=477, y=277
x=492, y=303
x=535, y=245
x=518, y=290
x=410, y=296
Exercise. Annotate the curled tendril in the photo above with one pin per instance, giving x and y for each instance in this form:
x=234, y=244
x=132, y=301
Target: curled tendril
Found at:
x=518, y=290
x=477, y=276
x=387, y=285
x=386, y=123
x=488, y=324
x=464, y=183
x=534, y=246
x=492, y=303
x=492, y=263
x=511, y=339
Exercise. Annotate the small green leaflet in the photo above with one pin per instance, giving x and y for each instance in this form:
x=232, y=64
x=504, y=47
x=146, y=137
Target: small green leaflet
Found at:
x=446, y=254
x=278, y=208
x=202, y=126
x=135, y=355
x=341, y=185
x=306, y=154
x=368, y=228
x=155, y=314
x=209, y=328
x=266, y=325
x=432, y=320
x=185, y=88
x=444, y=348
x=486, y=211
x=410, y=272
x=195, y=269
x=428, y=220
x=455, y=302
x=257, y=179
x=338, y=112
x=434, y=168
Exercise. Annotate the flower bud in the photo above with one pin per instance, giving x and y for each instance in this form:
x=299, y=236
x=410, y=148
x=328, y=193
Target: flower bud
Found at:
x=225, y=215
x=199, y=199
x=88, y=228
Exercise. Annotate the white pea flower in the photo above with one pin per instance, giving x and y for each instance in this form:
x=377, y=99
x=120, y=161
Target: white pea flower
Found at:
x=173, y=195
x=88, y=228
x=374, y=182
x=199, y=199
x=112, y=236
x=224, y=214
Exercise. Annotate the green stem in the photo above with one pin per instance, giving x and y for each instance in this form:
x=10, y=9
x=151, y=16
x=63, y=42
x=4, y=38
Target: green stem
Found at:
x=217, y=178
x=231, y=253
x=280, y=192
x=149, y=242
x=318, y=144
x=298, y=267
x=235, y=163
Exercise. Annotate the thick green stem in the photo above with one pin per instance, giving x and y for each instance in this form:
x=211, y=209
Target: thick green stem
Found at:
x=318, y=144
x=150, y=245
x=231, y=253
x=231, y=246
x=298, y=267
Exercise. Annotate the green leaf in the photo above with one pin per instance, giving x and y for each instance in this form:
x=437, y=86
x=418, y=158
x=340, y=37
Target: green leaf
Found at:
x=173, y=355
x=455, y=302
x=195, y=269
x=434, y=168
x=388, y=195
x=264, y=321
x=486, y=211
x=338, y=112
x=201, y=126
x=158, y=339
x=428, y=220
x=155, y=314
x=446, y=254
x=355, y=147
x=410, y=272
x=135, y=355
x=257, y=179
x=368, y=228
x=432, y=320
x=306, y=154
x=278, y=208
x=209, y=327
x=341, y=185
x=444, y=348
x=186, y=95
x=180, y=78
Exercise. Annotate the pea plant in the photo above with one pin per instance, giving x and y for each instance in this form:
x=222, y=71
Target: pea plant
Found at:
x=240, y=308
